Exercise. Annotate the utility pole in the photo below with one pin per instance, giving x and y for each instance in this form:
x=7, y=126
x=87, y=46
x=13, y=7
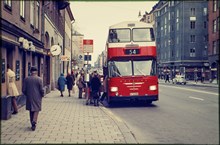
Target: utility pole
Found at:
x=71, y=59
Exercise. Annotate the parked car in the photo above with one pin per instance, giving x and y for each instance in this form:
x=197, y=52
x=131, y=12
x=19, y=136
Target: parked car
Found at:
x=179, y=79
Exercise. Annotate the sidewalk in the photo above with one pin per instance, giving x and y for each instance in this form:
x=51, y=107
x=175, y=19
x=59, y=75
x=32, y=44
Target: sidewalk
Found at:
x=205, y=83
x=66, y=120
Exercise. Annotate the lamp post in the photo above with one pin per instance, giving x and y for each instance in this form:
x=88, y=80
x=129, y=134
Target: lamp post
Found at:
x=71, y=65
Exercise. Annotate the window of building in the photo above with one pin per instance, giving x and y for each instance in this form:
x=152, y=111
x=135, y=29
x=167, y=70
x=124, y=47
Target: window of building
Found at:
x=192, y=52
x=172, y=3
x=32, y=13
x=214, y=26
x=214, y=5
x=218, y=23
x=205, y=24
x=37, y=15
x=214, y=47
x=165, y=29
x=204, y=11
x=217, y=47
x=168, y=28
x=172, y=28
x=7, y=4
x=169, y=16
x=205, y=51
x=192, y=38
x=22, y=8
x=205, y=38
x=193, y=11
x=218, y=4
x=177, y=26
x=177, y=40
x=172, y=15
x=192, y=24
x=177, y=13
x=177, y=54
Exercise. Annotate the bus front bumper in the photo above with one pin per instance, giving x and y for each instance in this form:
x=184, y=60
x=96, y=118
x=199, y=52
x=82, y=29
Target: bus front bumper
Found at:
x=133, y=98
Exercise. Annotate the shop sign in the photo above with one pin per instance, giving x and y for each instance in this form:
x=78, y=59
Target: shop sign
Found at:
x=64, y=58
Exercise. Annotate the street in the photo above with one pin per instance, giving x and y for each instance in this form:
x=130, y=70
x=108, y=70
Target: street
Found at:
x=184, y=114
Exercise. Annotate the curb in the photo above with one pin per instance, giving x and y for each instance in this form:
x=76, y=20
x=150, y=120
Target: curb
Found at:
x=127, y=133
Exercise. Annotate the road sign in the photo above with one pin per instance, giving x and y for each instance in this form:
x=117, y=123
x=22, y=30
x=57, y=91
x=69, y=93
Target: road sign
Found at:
x=87, y=57
x=80, y=57
x=87, y=46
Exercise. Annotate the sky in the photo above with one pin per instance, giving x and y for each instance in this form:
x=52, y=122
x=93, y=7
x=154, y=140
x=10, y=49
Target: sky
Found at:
x=92, y=19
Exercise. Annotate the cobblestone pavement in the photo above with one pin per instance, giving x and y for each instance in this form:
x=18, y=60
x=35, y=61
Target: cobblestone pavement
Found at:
x=66, y=120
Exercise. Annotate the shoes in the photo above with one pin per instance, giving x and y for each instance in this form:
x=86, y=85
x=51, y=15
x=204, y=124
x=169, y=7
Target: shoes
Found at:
x=69, y=95
x=15, y=112
x=61, y=95
x=33, y=127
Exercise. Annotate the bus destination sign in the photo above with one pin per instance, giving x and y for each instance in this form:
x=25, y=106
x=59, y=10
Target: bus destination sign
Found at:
x=132, y=51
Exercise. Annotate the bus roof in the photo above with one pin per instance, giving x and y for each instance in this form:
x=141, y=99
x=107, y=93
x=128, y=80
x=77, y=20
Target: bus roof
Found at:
x=131, y=24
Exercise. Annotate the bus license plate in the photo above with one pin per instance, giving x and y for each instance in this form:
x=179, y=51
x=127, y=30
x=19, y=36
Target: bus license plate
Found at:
x=134, y=94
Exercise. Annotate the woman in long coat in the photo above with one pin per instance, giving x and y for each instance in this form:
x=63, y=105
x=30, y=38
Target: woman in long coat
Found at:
x=70, y=82
x=61, y=84
x=11, y=88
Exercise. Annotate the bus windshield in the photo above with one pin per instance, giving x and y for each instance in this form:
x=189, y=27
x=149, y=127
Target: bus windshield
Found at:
x=132, y=68
x=119, y=35
x=143, y=34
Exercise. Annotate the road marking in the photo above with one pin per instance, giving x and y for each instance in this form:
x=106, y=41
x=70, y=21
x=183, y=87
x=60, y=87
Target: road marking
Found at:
x=196, y=98
x=216, y=94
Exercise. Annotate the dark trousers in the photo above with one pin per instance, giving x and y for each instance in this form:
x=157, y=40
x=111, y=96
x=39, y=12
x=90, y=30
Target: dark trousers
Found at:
x=80, y=93
x=33, y=116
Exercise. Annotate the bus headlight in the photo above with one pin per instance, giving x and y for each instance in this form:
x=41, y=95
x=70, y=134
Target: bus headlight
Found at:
x=153, y=88
x=114, y=89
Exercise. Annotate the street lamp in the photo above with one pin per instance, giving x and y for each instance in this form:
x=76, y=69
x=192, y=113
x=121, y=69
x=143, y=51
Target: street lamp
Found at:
x=71, y=46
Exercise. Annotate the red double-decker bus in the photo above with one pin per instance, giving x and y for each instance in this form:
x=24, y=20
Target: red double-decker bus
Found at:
x=131, y=62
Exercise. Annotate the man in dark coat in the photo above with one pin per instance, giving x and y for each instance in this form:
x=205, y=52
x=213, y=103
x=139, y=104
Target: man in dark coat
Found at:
x=33, y=90
x=95, y=86
x=69, y=82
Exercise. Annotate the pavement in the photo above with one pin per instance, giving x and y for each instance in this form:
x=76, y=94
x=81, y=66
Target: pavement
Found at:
x=199, y=83
x=66, y=120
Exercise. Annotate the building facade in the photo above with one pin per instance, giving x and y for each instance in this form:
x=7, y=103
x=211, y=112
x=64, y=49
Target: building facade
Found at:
x=77, y=50
x=28, y=30
x=213, y=47
x=54, y=22
x=181, y=29
x=22, y=46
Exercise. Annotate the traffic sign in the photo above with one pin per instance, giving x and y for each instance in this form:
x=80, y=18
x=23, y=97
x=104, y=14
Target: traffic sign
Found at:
x=87, y=46
x=87, y=57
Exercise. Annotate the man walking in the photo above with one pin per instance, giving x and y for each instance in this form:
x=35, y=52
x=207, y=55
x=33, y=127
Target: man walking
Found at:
x=33, y=90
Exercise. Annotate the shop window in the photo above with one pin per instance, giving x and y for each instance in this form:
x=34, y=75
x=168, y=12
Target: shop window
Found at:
x=3, y=71
x=17, y=72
